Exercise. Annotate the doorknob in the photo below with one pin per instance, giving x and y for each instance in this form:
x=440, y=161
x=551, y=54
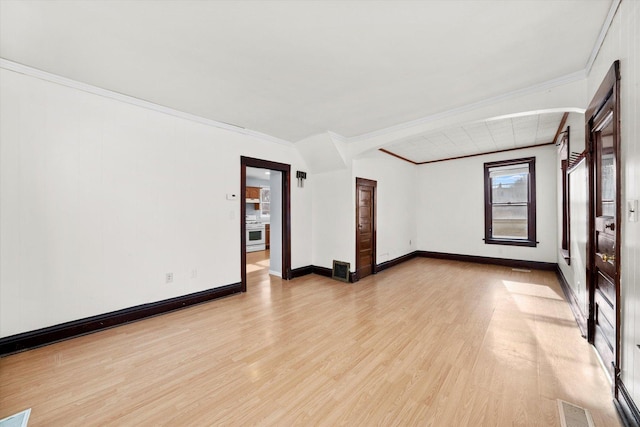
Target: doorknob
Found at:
x=611, y=226
x=607, y=258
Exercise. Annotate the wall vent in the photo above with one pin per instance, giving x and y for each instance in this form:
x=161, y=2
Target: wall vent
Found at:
x=340, y=271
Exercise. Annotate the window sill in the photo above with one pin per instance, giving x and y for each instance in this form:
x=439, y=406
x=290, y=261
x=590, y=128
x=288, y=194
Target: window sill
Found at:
x=509, y=242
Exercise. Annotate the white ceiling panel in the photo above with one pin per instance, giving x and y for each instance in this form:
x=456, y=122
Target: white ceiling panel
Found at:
x=479, y=137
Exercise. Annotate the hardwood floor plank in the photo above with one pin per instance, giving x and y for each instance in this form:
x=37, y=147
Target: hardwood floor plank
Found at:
x=428, y=342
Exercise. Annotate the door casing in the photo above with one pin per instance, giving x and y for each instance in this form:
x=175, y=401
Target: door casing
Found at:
x=607, y=97
x=286, y=214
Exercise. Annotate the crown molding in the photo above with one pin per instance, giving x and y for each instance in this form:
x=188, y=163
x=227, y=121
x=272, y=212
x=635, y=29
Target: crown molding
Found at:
x=549, y=84
x=95, y=90
x=603, y=34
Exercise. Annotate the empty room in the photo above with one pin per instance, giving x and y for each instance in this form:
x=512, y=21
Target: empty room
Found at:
x=350, y=212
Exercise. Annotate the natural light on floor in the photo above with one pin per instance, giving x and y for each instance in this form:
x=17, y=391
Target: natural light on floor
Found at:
x=531, y=289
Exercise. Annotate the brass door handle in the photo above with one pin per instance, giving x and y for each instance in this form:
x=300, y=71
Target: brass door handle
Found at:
x=607, y=258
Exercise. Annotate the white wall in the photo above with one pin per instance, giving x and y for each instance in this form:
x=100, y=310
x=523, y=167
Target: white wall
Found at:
x=396, y=205
x=333, y=224
x=334, y=214
x=451, y=207
x=99, y=199
x=623, y=42
x=575, y=272
x=275, y=232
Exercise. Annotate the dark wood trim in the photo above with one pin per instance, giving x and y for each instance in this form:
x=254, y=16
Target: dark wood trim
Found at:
x=575, y=161
x=565, y=245
x=321, y=271
x=393, y=262
x=625, y=405
x=301, y=271
x=604, y=91
x=75, y=328
x=468, y=155
x=565, y=154
x=606, y=100
x=572, y=299
x=314, y=269
x=531, y=241
x=286, y=214
x=398, y=156
x=374, y=238
x=513, y=263
x=565, y=116
x=243, y=225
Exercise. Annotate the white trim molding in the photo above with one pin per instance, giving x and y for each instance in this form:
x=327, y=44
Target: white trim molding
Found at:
x=603, y=33
x=74, y=84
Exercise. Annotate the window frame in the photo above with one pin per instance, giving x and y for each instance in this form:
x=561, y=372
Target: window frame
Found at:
x=530, y=241
x=564, y=154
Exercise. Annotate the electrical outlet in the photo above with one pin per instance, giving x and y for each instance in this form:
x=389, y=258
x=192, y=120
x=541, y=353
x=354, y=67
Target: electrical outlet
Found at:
x=169, y=278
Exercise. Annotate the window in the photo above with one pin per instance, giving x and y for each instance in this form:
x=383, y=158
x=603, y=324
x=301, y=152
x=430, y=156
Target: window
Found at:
x=265, y=202
x=510, y=202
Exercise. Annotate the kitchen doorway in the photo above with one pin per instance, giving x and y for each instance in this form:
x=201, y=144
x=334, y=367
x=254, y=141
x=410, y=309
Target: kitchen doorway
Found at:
x=265, y=219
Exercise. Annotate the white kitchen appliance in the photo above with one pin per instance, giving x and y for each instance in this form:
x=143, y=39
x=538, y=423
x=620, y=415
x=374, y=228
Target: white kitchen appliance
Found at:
x=255, y=234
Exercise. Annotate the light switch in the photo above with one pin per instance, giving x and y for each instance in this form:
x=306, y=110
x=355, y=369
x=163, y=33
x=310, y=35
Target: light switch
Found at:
x=632, y=210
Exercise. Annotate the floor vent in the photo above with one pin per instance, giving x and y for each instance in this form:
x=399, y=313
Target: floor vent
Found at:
x=340, y=271
x=574, y=416
x=521, y=270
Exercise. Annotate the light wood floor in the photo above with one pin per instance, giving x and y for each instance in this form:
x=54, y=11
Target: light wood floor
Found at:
x=429, y=342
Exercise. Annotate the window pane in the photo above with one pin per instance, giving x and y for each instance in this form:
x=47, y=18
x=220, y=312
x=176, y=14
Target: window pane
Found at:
x=510, y=188
x=509, y=222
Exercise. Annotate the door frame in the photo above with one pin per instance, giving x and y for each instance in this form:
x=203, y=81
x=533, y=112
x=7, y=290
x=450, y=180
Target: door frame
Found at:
x=374, y=220
x=286, y=214
x=607, y=95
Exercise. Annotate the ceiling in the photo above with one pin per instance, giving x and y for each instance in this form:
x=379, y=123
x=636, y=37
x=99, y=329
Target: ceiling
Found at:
x=474, y=138
x=294, y=69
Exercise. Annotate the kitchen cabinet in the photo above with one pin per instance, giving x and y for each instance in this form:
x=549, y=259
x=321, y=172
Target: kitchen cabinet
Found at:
x=252, y=193
x=267, y=234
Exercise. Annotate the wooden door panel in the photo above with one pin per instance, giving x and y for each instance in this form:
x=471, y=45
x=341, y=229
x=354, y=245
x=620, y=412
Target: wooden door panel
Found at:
x=603, y=243
x=365, y=227
x=606, y=286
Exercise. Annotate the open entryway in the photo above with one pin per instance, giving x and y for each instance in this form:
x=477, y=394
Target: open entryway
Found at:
x=265, y=230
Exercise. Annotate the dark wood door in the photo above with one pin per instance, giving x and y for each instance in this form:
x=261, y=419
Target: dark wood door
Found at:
x=604, y=278
x=365, y=227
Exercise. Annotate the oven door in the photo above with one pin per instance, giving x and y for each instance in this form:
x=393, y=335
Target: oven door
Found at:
x=255, y=236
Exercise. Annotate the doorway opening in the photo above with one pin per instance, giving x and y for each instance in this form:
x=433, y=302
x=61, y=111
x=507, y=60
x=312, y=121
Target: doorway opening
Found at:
x=265, y=230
